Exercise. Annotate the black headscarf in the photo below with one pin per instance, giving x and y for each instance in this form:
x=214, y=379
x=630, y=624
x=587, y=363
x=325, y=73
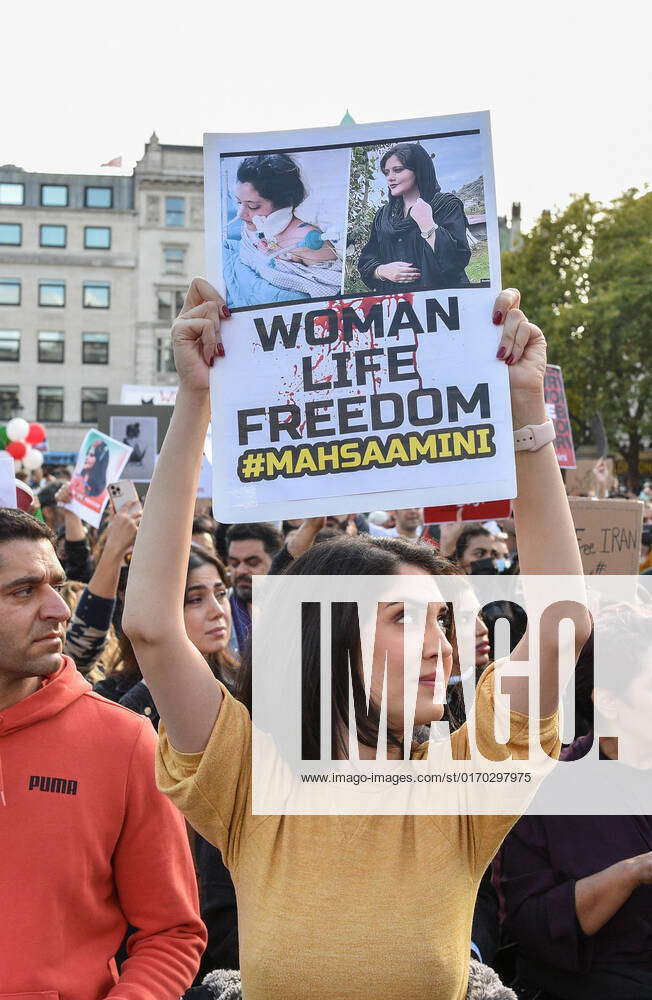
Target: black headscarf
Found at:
x=413, y=156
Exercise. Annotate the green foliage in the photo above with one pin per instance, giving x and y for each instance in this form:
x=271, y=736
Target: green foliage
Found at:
x=365, y=165
x=584, y=274
x=478, y=267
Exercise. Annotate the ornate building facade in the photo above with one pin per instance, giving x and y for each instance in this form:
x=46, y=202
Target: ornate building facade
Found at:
x=93, y=268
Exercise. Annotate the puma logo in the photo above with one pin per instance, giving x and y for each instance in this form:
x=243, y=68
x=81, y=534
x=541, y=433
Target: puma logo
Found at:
x=62, y=786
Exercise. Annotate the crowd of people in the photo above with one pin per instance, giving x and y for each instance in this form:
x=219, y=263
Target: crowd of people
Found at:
x=125, y=700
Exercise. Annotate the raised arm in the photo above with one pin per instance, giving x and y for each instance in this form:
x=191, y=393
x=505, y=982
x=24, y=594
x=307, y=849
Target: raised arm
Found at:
x=184, y=689
x=545, y=533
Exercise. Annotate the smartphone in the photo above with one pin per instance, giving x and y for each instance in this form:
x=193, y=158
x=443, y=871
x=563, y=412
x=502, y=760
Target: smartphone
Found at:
x=122, y=493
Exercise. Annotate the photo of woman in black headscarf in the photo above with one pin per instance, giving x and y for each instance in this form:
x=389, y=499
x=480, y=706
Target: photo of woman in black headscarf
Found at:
x=418, y=239
x=92, y=479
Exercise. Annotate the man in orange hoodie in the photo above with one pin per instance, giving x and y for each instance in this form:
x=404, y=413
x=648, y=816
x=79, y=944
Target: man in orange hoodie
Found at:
x=88, y=846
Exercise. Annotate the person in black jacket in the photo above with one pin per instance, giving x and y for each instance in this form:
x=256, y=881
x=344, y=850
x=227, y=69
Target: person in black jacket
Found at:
x=418, y=239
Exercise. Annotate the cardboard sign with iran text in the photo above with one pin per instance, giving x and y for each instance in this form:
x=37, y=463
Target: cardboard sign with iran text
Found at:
x=609, y=535
x=557, y=407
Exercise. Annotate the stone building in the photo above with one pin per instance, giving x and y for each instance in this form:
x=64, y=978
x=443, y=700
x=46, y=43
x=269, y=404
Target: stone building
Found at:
x=510, y=235
x=168, y=198
x=92, y=270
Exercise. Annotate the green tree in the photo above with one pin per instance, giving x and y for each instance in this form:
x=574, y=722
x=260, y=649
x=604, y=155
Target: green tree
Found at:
x=364, y=167
x=585, y=273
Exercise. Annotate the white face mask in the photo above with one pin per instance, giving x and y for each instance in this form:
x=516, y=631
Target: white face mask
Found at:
x=271, y=225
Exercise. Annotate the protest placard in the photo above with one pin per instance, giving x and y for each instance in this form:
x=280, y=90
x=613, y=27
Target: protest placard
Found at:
x=100, y=462
x=143, y=428
x=360, y=367
x=7, y=480
x=469, y=512
x=557, y=407
x=581, y=480
x=609, y=535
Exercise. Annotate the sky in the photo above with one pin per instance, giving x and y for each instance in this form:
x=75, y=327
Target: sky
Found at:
x=568, y=84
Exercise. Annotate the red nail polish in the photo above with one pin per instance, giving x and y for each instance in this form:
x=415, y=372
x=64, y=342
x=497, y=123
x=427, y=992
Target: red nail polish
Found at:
x=497, y=317
x=220, y=350
x=510, y=360
x=211, y=362
x=500, y=352
x=226, y=312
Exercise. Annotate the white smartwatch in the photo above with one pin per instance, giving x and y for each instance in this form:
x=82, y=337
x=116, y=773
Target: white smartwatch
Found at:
x=534, y=436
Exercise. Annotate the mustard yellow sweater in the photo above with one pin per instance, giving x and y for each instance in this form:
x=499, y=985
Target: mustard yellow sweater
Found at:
x=344, y=907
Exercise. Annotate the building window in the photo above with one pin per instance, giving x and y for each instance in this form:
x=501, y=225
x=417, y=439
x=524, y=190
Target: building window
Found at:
x=8, y=401
x=95, y=348
x=12, y=194
x=53, y=236
x=175, y=211
x=98, y=197
x=170, y=302
x=52, y=293
x=50, y=346
x=97, y=295
x=9, y=345
x=164, y=355
x=54, y=195
x=175, y=260
x=11, y=234
x=97, y=237
x=90, y=400
x=49, y=404
x=9, y=292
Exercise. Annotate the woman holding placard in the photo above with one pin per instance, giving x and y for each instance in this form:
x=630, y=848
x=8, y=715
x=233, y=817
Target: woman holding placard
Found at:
x=313, y=891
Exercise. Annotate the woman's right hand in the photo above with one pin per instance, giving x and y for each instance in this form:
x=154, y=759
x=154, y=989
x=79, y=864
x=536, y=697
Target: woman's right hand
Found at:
x=63, y=494
x=196, y=338
x=398, y=272
x=121, y=532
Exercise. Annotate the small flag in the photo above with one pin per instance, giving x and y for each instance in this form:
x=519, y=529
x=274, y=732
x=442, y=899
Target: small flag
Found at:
x=117, y=162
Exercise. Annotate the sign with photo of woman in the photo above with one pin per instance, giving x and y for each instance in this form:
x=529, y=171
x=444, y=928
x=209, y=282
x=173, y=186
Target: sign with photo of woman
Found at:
x=283, y=216
x=141, y=434
x=408, y=233
x=359, y=265
x=101, y=461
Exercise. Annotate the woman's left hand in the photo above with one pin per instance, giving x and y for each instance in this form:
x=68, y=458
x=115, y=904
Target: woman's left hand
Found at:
x=421, y=212
x=522, y=346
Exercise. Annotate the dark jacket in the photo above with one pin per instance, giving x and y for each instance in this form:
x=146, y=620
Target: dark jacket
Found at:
x=77, y=560
x=87, y=632
x=541, y=860
x=391, y=240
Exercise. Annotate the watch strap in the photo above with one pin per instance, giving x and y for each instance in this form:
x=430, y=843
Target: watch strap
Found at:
x=534, y=436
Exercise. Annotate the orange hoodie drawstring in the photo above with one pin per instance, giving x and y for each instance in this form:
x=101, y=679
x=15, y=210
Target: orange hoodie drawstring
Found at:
x=2, y=785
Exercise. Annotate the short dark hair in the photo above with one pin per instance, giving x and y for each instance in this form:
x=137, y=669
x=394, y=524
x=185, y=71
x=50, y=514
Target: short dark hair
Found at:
x=203, y=522
x=266, y=533
x=17, y=525
x=275, y=176
x=466, y=536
